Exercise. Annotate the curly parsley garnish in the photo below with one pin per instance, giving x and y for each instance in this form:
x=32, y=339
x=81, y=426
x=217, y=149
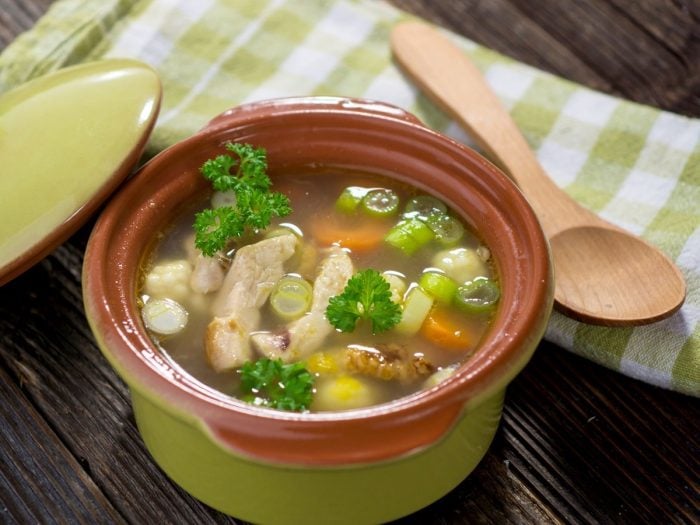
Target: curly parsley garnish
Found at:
x=245, y=174
x=273, y=384
x=366, y=296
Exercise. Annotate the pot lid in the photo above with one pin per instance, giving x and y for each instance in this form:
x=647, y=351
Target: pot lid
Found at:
x=67, y=140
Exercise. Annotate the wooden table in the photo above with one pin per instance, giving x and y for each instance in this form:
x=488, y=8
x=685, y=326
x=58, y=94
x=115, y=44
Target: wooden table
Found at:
x=578, y=443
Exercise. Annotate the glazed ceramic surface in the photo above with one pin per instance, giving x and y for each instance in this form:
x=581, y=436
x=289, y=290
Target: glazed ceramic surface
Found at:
x=66, y=141
x=271, y=493
x=415, y=449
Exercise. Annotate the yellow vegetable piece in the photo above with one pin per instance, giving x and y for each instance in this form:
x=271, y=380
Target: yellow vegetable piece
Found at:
x=322, y=363
x=343, y=393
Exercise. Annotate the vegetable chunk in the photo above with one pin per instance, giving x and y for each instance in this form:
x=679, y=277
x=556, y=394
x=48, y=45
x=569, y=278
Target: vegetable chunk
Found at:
x=461, y=264
x=344, y=392
x=164, y=316
x=169, y=279
x=387, y=362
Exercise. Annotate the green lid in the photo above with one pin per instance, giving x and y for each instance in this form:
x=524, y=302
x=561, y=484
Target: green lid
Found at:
x=67, y=140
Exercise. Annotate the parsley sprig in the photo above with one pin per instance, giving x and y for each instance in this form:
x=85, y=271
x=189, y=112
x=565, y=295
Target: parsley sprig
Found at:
x=277, y=385
x=245, y=174
x=366, y=296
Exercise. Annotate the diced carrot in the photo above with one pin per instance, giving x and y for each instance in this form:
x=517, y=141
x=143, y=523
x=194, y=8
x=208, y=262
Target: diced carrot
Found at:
x=445, y=330
x=356, y=234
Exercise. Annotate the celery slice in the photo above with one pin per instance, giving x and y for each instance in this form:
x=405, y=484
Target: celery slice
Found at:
x=439, y=285
x=415, y=309
x=350, y=198
x=409, y=235
x=400, y=238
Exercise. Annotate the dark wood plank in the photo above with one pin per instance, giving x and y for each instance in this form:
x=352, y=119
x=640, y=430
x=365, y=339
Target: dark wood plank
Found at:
x=646, y=51
x=620, y=440
x=40, y=480
x=627, y=44
x=18, y=16
x=47, y=345
x=500, y=25
x=580, y=444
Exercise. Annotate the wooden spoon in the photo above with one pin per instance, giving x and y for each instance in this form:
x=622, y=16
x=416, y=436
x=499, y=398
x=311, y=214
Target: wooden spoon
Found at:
x=604, y=275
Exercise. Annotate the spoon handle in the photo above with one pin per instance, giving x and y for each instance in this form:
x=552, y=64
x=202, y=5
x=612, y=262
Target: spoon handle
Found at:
x=443, y=72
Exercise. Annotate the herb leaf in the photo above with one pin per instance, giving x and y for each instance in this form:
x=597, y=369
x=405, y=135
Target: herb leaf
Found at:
x=245, y=174
x=214, y=227
x=366, y=296
x=277, y=385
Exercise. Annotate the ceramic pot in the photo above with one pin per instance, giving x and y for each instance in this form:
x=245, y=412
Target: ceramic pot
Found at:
x=360, y=466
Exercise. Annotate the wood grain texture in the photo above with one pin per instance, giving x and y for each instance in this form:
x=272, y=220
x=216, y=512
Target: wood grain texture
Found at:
x=647, y=51
x=49, y=350
x=578, y=443
x=17, y=16
x=597, y=266
x=39, y=478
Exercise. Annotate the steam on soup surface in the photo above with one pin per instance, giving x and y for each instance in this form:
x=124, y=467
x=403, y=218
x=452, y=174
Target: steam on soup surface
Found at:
x=411, y=293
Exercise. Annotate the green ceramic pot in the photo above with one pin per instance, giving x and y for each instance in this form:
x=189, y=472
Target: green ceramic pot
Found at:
x=360, y=466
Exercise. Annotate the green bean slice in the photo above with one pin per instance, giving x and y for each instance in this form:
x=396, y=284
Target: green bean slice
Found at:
x=381, y=203
x=423, y=206
x=447, y=229
x=478, y=296
x=438, y=285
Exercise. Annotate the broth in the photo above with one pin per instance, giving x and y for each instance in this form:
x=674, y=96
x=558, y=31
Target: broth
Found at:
x=316, y=220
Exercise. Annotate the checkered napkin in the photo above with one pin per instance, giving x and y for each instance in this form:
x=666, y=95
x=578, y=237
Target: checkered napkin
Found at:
x=635, y=166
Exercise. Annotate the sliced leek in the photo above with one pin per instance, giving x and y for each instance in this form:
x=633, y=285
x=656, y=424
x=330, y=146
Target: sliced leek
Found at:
x=291, y=297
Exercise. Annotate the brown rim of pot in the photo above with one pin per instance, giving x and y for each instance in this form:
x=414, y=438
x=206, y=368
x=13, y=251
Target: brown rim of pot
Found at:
x=335, y=132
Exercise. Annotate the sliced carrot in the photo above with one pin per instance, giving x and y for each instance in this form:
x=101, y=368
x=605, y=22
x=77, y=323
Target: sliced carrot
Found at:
x=356, y=234
x=443, y=328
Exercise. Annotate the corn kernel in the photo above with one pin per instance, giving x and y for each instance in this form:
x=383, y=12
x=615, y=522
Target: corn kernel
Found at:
x=343, y=393
x=322, y=363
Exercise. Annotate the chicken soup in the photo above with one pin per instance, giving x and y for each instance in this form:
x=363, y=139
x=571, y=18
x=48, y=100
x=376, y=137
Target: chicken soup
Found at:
x=329, y=290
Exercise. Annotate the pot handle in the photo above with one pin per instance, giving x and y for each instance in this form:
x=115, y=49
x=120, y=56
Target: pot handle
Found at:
x=327, y=440
x=255, y=110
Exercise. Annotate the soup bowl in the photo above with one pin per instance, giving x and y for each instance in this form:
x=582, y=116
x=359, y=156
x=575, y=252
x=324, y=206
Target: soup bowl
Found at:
x=357, y=466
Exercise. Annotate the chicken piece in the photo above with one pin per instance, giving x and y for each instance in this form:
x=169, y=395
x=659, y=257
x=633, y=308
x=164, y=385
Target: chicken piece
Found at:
x=386, y=361
x=255, y=270
x=207, y=274
x=307, y=260
x=306, y=334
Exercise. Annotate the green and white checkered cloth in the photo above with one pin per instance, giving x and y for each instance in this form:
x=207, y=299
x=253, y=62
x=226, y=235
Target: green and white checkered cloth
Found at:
x=636, y=166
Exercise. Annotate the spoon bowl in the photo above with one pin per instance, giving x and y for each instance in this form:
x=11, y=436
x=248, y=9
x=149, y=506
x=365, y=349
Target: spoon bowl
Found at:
x=603, y=274
x=599, y=296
